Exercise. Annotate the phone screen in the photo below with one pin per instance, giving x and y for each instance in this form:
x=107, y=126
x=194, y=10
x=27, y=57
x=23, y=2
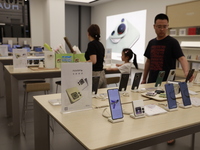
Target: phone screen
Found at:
x=159, y=79
x=171, y=99
x=185, y=93
x=136, y=80
x=115, y=104
x=190, y=73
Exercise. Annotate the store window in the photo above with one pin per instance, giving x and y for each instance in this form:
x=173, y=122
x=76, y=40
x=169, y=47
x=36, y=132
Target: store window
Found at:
x=14, y=18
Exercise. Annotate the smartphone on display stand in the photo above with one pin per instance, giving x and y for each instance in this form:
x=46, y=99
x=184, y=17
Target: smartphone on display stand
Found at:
x=190, y=73
x=115, y=104
x=171, y=99
x=171, y=75
x=185, y=94
x=95, y=84
x=159, y=79
x=136, y=81
x=123, y=82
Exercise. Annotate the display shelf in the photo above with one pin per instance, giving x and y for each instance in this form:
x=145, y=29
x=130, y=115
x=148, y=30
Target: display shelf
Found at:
x=185, y=36
x=193, y=60
x=191, y=48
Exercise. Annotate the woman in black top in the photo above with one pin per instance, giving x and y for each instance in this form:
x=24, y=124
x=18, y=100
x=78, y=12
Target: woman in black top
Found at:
x=95, y=53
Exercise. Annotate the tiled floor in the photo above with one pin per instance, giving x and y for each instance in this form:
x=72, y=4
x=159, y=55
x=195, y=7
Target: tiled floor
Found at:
x=60, y=140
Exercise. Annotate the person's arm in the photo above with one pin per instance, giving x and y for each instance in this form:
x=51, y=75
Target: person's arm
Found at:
x=118, y=65
x=112, y=69
x=93, y=59
x=184, y=64
x=146, y=71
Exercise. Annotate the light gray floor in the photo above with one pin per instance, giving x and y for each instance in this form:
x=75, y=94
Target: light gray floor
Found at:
x=60, y=140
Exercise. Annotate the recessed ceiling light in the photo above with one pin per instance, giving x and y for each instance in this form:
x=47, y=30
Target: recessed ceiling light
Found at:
x=81, y=1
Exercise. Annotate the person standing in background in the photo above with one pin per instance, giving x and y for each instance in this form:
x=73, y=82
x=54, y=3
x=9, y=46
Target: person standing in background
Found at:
x=162, y=52
x=95, y=53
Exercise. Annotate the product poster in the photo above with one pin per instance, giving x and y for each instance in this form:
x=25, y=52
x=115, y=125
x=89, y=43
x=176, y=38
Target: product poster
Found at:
x=76, y=87
x=19, y=58
x=3, y=50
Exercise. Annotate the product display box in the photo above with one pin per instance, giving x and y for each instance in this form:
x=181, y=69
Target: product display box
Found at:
x=70, y=57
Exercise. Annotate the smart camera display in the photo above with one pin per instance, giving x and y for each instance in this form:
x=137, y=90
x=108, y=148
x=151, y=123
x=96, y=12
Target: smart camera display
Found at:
x=126, y=31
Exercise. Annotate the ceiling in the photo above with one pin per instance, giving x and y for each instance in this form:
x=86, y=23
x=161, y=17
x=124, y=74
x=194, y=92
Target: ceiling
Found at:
x=90, y=4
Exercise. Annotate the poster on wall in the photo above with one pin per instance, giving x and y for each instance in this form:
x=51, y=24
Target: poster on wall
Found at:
x=126, y=31
x=19, y=58
x=76, y=87
x=3, y=50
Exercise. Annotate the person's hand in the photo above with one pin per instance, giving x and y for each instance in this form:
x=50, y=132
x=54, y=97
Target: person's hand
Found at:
x=143, y=82
x=118, y=65
x=191, y=79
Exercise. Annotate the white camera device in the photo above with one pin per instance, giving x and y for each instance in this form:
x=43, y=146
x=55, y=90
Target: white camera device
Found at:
x=138, y=109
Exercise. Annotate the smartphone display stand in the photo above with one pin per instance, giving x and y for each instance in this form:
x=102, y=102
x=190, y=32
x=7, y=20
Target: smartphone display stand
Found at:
x=136, y=117
x=138, y=109
x=174, y=109
x=182, y=106
x=124, y=93
x=142, y=90
x=115, y=121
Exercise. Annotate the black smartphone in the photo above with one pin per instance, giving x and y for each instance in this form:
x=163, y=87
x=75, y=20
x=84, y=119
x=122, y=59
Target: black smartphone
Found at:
x=95, y=84
x=123, y=82
x=115, y=104
x=190, y=73
x=185, y=93
x=136, y=81
x=171, y=75
x=171, y=99
x=159, y=79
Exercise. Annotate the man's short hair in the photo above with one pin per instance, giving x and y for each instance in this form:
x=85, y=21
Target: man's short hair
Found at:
x=162, y=17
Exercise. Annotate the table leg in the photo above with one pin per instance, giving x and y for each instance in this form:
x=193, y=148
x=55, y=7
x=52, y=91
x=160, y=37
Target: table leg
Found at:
x=8, y=93
x=2, y=87
x=193, y=141
x=41, y=127
x=15, y=106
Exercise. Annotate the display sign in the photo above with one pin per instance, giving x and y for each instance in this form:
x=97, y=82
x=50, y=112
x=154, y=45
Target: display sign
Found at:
x=3, y=50
x=76, y=87
x=49, y=59
x=19, y=58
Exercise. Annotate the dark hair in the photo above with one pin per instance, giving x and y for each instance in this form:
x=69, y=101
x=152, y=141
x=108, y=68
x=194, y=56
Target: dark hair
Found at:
x=129, y=53
x=94, y=31
x=162, y=17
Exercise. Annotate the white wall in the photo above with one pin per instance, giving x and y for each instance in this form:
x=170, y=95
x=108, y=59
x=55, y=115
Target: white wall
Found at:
x=153, y=7
x=47, y=22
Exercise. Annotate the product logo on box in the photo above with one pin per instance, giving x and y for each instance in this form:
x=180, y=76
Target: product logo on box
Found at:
x=67, y=58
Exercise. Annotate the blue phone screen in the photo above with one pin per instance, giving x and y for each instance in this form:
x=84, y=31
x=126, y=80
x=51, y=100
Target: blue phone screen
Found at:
x=115, y=104
x=171, y=99
x=185, y=93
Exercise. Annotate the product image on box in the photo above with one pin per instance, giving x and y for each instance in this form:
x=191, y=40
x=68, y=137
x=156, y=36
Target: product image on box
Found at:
x=82, y=83
x=19, y=55
x=74, y=94
x=124, y=35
